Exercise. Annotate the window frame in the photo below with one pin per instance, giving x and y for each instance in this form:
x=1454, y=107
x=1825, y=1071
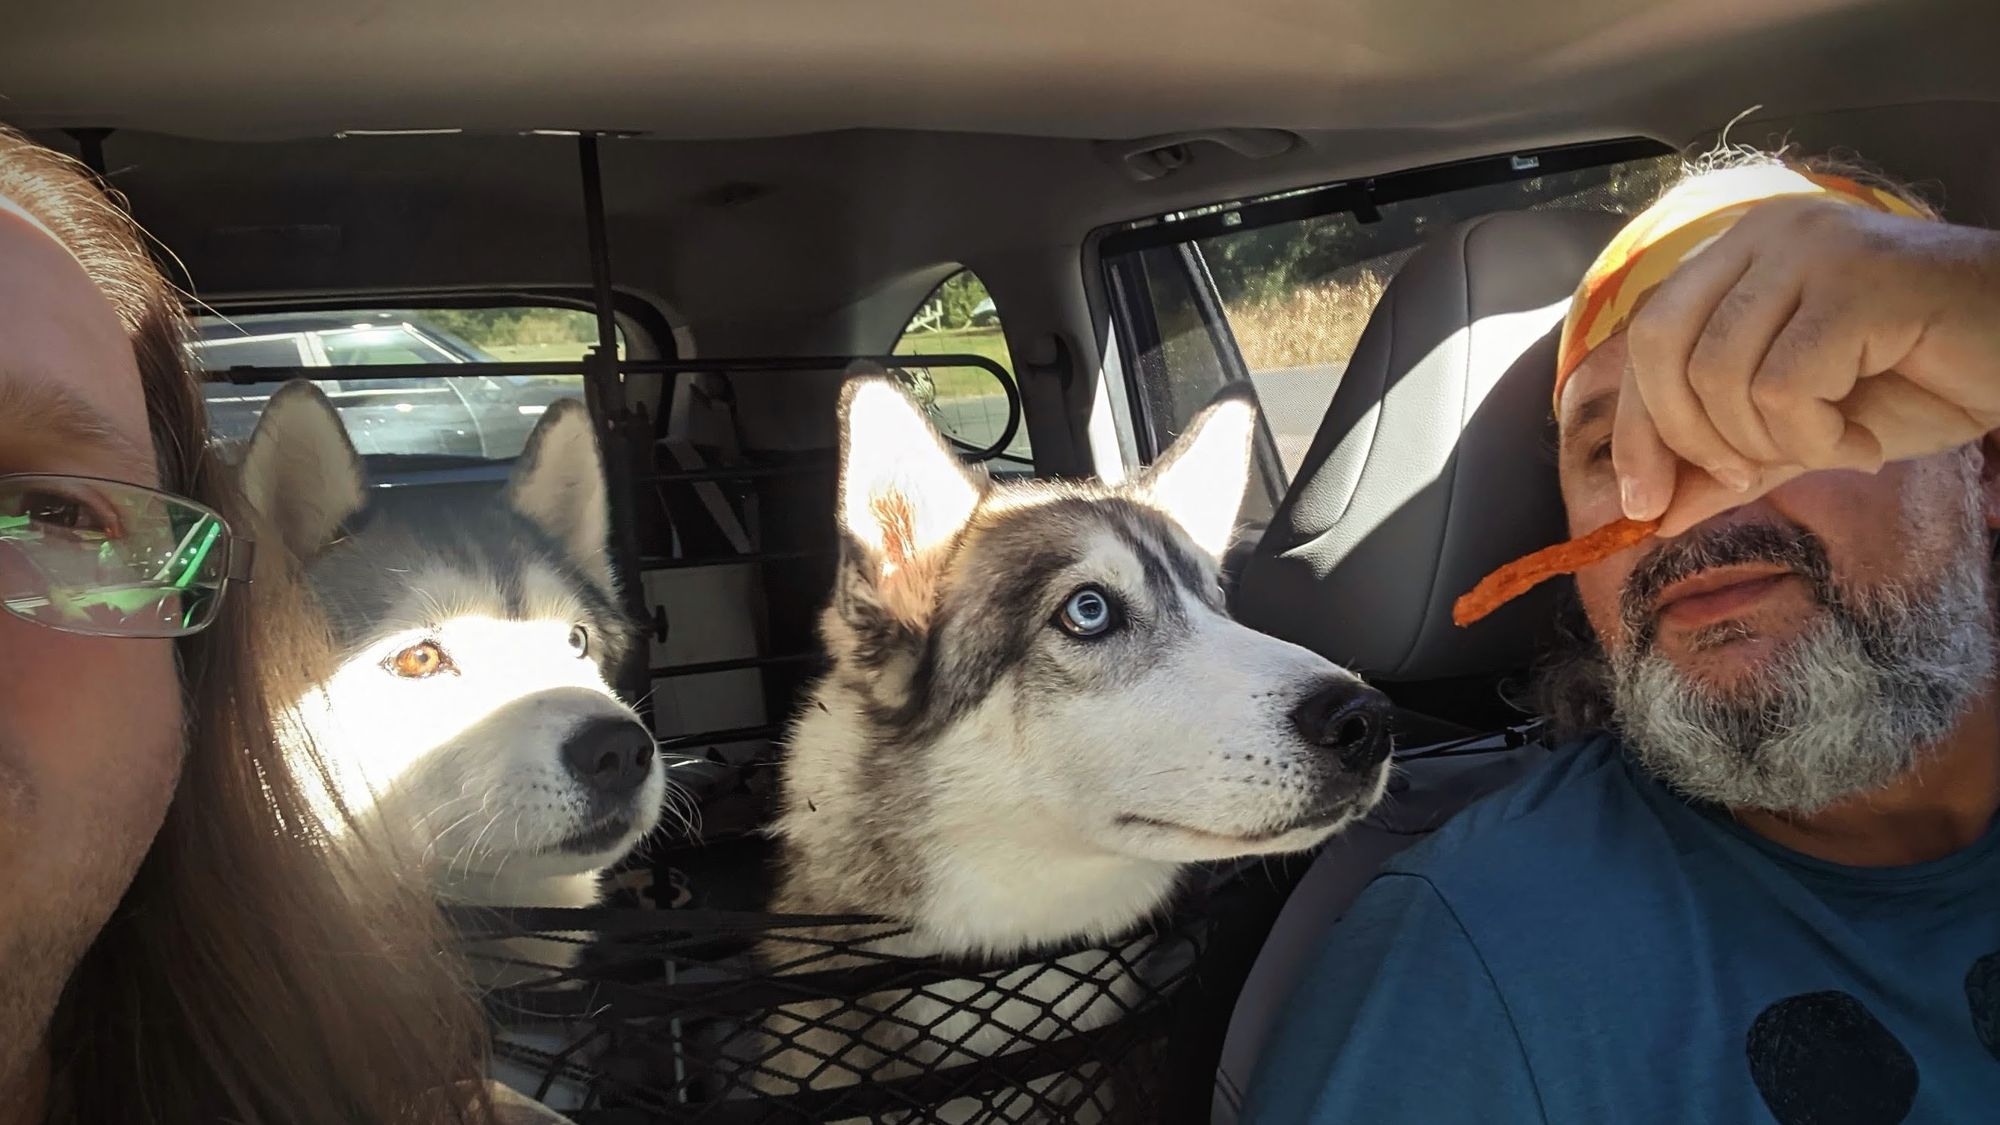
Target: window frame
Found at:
x=1016, y=465
x=301, y=342
x=644, y=330
x=1143, y=337
x=1130, y=311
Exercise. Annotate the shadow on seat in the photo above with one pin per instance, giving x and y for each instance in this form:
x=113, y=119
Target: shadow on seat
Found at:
x=1434, y=465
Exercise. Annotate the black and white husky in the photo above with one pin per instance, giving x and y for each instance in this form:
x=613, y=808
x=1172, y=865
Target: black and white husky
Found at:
x=465, y=707
x=1038, y=716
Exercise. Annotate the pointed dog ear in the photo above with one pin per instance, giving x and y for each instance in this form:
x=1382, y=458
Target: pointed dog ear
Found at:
x=1200, y=480
x=558, y=484
x=300, y=472
x=903, y=495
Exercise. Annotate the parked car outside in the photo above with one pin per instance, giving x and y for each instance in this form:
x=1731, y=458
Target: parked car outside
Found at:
x=479, y=417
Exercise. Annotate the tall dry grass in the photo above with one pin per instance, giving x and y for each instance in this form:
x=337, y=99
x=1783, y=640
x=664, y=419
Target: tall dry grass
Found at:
x=1310, y=324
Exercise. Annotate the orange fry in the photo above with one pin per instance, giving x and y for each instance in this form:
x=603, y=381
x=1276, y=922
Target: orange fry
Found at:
x=1524, y=574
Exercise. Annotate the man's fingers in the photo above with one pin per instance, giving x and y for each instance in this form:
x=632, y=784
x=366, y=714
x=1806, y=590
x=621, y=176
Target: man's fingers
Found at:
x=1660, y=342
x=1644, y=464
x=1730, y=350
x=1697, y=497
x=1905, y=420
x=1811, y=366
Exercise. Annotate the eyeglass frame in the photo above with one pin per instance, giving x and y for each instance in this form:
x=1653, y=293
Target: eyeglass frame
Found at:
x=236, y=568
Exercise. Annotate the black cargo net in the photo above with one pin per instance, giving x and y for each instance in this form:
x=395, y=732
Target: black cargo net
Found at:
x=615, y=1016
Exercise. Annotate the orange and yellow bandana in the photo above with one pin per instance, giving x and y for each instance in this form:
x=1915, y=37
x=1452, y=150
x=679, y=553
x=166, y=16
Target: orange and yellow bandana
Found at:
x=1682, y=224
x=1647, y=252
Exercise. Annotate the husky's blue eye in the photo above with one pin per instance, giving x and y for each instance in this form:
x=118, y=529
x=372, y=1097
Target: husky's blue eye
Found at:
x=579, y=640
x=1088, y=613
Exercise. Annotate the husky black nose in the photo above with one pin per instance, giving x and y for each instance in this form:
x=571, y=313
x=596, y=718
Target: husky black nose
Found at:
x=1349, y=718
x=610, y=756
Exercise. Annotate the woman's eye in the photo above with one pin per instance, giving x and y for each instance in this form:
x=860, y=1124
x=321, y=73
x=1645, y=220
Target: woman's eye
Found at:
x=579, y=641
x=1089, y=612
x=48, y=511
x=1600, y=453
x=419, y=661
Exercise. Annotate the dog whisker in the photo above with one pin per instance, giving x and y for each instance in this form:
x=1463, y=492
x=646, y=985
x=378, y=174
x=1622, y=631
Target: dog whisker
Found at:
x=419, y=823
x=682, y=806
x=505, y=856
x=435, y=840
x=463, y=849
x=478, y=840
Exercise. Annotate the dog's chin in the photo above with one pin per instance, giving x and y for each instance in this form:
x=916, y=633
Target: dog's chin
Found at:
x=594, y=845
x=1187, y=837
x=1188, y=841
x=558, y=852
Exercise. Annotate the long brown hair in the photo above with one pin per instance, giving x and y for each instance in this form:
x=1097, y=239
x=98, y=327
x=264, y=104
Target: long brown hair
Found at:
x=252, y=973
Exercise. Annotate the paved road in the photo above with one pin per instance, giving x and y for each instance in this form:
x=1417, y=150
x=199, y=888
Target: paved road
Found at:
x=1294, y=401
x=978, y=419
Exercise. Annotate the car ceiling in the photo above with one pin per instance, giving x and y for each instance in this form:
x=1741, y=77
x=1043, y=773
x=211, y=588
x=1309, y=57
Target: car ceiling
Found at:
x=805, y=169
x=1112, y=68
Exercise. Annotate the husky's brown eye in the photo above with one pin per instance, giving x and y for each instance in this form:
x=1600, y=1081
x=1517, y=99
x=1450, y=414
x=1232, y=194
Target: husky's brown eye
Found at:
x=579, y=641
x=419, y=661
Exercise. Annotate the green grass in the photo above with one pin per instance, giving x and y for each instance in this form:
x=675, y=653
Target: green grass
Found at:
x=536, y=353
x=961, y=382
x=543, y=353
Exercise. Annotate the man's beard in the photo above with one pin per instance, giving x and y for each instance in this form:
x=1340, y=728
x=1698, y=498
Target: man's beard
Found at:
x=1846, y=707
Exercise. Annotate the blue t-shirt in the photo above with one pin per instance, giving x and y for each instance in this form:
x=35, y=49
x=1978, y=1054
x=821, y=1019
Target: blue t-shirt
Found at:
x=1584, y=947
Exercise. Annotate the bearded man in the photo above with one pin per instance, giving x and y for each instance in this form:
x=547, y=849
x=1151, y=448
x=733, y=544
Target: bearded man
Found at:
x=1767, y=886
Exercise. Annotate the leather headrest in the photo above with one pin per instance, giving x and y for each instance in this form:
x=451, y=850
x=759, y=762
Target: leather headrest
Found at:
x=1435, y=463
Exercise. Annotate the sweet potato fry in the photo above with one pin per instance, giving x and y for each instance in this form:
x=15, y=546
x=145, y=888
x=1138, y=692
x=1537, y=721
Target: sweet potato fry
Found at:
x=1523, y=574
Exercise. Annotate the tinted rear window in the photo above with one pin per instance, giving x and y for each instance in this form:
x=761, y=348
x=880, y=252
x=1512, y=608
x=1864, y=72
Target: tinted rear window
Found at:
x=478, y=418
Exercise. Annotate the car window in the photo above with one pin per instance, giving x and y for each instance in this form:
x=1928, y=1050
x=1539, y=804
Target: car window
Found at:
x=477, y=418
x=288, y=350
x=381, y=346
x=960, y=318
x=1283, y=302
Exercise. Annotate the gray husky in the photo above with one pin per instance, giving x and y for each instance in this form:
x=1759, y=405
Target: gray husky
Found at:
x=1038, y=716
x=463, y=701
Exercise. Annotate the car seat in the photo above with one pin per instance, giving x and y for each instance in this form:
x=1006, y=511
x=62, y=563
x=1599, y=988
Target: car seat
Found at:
x=1433, y=466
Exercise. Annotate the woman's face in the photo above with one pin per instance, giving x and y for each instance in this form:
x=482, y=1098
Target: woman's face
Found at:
x=90, y=727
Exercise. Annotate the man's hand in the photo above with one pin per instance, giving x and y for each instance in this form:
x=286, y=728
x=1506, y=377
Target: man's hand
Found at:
x=1812, y=335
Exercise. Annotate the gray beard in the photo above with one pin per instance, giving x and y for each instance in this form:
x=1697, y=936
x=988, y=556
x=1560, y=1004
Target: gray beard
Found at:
x=1849, y=706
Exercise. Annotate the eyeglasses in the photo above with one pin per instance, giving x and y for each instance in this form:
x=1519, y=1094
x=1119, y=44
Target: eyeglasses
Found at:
x=110, y=559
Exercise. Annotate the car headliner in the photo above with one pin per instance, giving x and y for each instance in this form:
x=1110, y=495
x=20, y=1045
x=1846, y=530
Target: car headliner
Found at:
x=1113, y=68
x=808, y=169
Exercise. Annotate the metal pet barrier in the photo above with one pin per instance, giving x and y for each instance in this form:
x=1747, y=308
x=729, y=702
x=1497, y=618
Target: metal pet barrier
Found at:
x=680, y=1013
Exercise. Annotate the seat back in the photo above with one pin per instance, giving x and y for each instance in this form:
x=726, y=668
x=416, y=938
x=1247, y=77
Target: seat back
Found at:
x=1426, y=792
x=1434, y=465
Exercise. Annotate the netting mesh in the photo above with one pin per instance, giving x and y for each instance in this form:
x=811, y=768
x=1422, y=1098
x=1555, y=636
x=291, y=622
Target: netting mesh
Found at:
x=613, y=1015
